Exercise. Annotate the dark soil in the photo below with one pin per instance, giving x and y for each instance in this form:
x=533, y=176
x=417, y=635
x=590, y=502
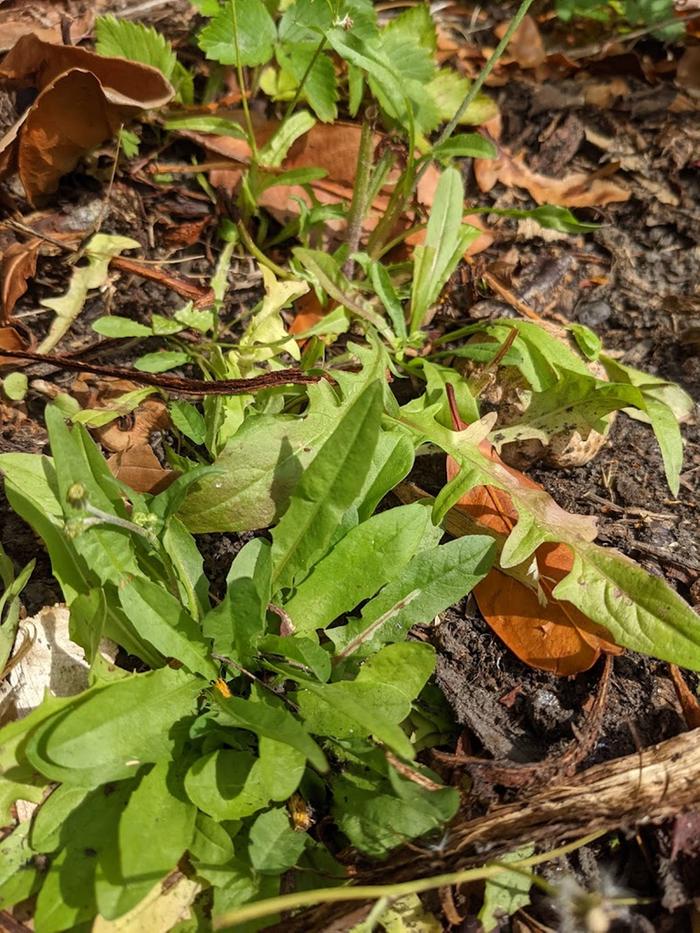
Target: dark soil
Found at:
x=635, y=282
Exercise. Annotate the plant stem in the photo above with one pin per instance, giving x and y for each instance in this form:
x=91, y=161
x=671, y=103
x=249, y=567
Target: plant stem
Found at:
x=358, y=207
x=253, y=248
x=372, y=892
x=241, y=85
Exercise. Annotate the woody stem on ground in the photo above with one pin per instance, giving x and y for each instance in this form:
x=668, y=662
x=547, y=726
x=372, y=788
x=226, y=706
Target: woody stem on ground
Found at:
x=405, y=192
x=359, y=205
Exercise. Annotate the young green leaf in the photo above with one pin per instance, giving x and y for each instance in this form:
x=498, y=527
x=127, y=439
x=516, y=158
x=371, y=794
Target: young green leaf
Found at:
x=366, y=558
x=320, y=87
x=327, y=489
x=275, y=150
x=507, y=892
x=464, y=145
x=161, y=361
x=379, y=815
x=274, y=846
x=115, y=326
x=188, y=420
x=236, y=624
x=15, y=386
x=164, y=623
x=445, y=242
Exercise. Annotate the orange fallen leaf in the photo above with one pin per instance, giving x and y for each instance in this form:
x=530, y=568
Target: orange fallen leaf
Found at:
x=554, y=637
x=83, y=99
x=574, y=190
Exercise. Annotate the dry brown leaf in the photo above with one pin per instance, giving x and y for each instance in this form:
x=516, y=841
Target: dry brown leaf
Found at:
x=83, y=100
x=575, y=190
x=17, y=266
x=333, y=148
x=43, y=18
x=526, y=47
x=140, y=469
x=554, y=637
x=688, y=71
x=12, y=339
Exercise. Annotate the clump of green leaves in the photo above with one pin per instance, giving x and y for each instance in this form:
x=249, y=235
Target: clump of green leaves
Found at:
x=238, y=712
x=626, y=13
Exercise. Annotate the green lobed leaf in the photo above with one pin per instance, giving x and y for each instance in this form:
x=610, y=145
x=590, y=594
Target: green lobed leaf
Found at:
x=116, y=326
x=276, y=149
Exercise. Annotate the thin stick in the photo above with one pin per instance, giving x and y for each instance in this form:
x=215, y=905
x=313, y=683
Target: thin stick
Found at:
x=197, y=387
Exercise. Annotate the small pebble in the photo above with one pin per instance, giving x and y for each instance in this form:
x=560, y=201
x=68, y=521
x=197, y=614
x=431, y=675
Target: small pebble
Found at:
x=593, y=313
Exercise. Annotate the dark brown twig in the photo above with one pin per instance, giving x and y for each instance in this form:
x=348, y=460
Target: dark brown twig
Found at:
x=178, y=384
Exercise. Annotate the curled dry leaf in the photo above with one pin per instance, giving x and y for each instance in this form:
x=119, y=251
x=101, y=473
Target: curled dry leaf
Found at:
x=83, y=100
x=526, y=47
x=574, y=190
x=544, y=632
x=43, y=18
x=17, y=266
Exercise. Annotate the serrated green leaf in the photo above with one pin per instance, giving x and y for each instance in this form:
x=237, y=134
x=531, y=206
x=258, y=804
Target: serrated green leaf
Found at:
x=253, y=34
x=320, y=88
x=122, y=38
x=99, y=252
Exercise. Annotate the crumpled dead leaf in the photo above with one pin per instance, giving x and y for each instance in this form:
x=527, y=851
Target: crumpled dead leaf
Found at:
x=128, y=438
x=83, y=99
x=43, y=18
x=574, y=190
x=526, y=46
x=17, y=266
x=553, y=637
